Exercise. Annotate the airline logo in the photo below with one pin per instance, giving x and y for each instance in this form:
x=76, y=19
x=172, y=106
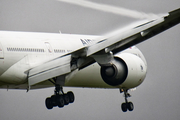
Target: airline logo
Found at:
x=86, y=42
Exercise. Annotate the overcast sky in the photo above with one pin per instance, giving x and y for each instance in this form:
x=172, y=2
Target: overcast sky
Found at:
x=157, y=98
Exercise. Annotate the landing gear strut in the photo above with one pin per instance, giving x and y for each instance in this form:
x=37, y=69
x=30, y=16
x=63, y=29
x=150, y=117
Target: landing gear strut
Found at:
x=127, y=105
x=59, y=98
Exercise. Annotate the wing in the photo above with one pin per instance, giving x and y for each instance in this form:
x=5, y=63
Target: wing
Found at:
x=115, y=42
x=122, y=39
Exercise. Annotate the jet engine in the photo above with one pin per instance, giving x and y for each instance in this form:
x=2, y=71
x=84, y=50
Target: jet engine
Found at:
x=126, y=71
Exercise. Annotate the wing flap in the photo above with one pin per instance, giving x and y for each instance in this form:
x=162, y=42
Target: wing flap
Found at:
x=50, y=69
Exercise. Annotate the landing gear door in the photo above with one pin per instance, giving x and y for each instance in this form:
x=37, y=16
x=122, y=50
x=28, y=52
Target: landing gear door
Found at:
x=1, y=52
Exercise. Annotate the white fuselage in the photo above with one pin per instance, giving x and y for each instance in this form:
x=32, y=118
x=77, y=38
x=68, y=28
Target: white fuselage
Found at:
x=21, y=51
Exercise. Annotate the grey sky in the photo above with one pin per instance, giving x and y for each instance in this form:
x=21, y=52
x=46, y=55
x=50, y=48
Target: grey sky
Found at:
x=157, y=98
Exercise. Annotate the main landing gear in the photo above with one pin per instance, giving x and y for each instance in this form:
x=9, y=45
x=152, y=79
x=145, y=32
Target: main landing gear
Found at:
x=127, y=105
x=59, y=98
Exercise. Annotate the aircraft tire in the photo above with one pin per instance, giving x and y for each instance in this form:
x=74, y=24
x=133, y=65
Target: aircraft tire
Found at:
x=49, y=103
x=124, y=107
x=66, y=99
x=71, y=96
x=130, y=106
x=60, y=101
x=54, y=100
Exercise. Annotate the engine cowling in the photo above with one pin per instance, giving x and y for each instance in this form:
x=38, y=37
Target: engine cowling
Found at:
x=127, y=71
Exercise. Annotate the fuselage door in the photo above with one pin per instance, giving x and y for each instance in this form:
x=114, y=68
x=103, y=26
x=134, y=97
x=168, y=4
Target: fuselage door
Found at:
x=49, y=48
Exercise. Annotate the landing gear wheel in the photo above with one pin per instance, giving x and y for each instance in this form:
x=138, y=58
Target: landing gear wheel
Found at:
x=60, y=101
x=54, y=100
x=127, y=105
x=48, y=103
x=130, y=106
x=66, y=99
x=124, y=107
x=59, y=98
x=71, y=97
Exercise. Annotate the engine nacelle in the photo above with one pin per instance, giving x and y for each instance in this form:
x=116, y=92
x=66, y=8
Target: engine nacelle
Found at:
x=127, y=71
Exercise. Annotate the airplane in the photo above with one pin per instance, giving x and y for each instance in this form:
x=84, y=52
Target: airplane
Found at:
x=30, y=60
